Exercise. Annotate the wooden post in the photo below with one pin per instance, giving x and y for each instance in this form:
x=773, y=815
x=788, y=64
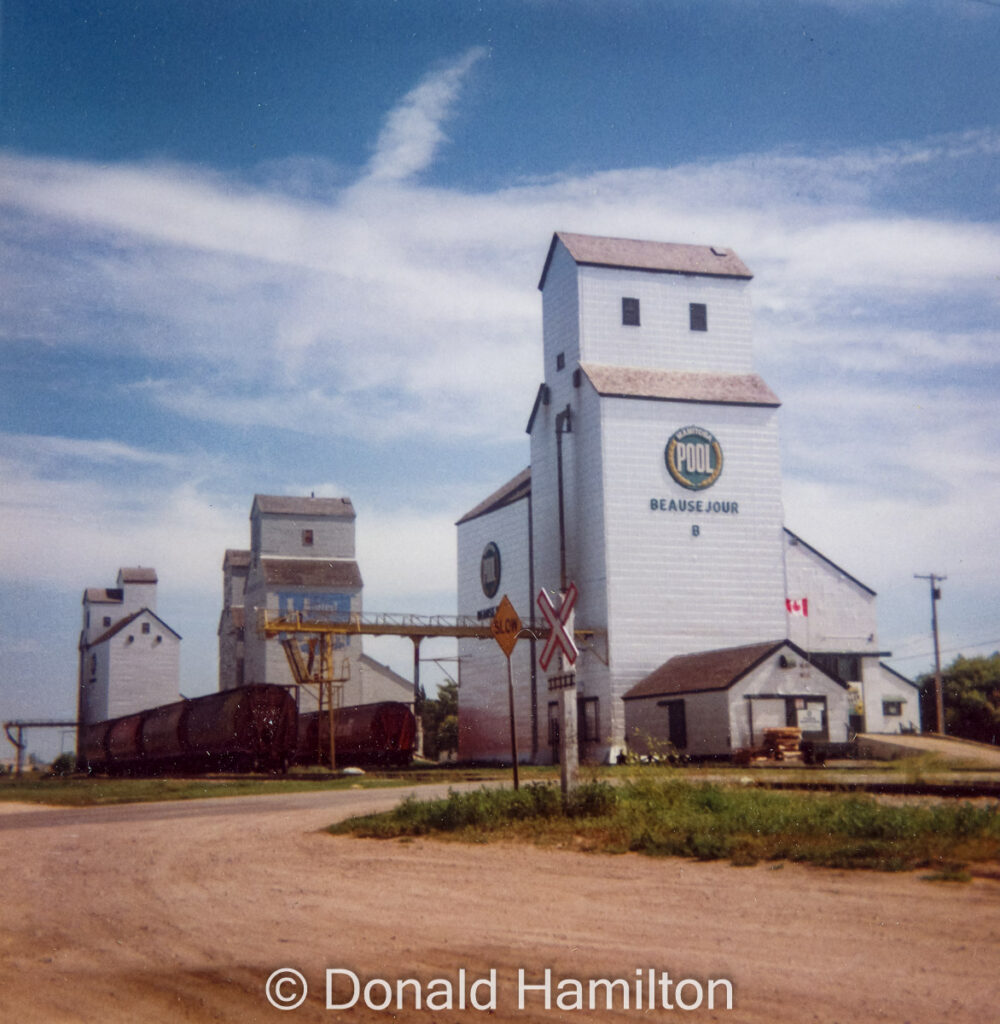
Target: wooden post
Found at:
x=569, y=751
x=513, y=724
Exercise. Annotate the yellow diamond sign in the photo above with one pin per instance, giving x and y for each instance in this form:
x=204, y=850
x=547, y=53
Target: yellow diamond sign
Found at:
x=505, y=626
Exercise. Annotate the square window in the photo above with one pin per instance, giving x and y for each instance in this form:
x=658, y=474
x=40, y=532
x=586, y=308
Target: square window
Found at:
x=107, y=620
x=630, y=312
x=699, y=316
x=892, y=708
x=307, y=538
x=561, y=361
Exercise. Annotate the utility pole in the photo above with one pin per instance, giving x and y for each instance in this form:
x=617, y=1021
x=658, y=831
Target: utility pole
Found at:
x=935, y=597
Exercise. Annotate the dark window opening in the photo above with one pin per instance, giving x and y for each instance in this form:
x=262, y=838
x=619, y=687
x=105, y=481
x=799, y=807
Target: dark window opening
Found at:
x=307, y=538
x=892, y=707
x=145, y=627
x=630, y=312
x=561, y=361
x=587, y=719
x=845, y=667
x=107, y=620
x=699, y=316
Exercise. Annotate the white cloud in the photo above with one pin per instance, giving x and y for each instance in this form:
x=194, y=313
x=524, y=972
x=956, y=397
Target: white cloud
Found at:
x=63, y=526
x=412, y=131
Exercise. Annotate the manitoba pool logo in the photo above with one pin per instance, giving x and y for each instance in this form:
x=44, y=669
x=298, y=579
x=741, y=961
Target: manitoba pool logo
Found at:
x=489, y=569
x=694, y=458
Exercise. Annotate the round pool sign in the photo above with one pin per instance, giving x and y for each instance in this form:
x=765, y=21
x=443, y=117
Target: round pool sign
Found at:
x=694, y=458
x=489, y=569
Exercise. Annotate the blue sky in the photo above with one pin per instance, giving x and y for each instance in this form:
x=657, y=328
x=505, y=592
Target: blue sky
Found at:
x=294, y=246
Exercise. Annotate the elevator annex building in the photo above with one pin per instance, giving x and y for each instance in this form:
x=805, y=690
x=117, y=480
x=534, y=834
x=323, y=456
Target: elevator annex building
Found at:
x=703, y=619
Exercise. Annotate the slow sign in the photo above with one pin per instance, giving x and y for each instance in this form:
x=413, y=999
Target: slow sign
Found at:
x=505, y=626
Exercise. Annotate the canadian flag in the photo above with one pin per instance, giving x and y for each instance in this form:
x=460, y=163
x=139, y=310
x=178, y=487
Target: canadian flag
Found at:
x=798, y=606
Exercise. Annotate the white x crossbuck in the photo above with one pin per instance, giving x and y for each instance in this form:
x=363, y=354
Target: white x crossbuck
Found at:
x=560, y=638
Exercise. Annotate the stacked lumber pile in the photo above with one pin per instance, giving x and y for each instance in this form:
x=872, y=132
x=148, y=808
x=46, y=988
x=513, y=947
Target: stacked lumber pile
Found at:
x=779, y=745
x=783, y=744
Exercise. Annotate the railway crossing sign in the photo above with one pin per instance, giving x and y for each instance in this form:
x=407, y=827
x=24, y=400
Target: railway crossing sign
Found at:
x=560, y=637
x=505, y=626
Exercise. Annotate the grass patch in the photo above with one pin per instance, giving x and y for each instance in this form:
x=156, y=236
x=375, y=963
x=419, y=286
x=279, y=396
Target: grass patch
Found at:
x=676, y=818
x=98, y=791
x=93, y=790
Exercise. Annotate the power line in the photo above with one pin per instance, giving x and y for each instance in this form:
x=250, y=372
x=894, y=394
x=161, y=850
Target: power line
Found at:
x=947, y=650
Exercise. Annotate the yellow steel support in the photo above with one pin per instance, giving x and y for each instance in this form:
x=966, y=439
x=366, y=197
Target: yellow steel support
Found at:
x=318, y=671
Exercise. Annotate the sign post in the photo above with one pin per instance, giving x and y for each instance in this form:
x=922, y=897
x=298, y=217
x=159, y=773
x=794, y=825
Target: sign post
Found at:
x=560, y=622
x=505, y=627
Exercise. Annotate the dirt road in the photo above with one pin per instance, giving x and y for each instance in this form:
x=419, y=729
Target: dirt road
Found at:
x=182, y=912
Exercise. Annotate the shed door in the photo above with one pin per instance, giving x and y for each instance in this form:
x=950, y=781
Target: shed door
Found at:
x=677, y=724
x=768, y=713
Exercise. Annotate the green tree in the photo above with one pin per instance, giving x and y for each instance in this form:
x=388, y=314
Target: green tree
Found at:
x=971, y=693
x=440, y=721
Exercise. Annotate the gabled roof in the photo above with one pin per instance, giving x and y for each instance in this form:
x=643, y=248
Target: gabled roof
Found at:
x=514, y=490
x=711, y=670
x=679, y=385
x=127, y=621
x=311, y=572
x=384, y=670
x=287, y=505
x=833, y=565
x=899, y=676
x=656, y=257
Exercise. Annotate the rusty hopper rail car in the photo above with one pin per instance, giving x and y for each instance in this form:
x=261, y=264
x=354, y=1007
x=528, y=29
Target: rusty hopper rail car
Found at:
x=253, y=728
x=369, y=734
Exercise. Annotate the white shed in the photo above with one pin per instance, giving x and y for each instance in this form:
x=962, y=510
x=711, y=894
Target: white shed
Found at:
x=714, y=703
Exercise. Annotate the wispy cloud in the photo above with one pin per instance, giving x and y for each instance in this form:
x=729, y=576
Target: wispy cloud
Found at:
x=413, y=131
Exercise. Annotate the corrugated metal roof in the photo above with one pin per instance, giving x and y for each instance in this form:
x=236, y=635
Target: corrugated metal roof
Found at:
x=137, y=575
x=706, y=670
x=656, y=257
x=679, y=385
x=514, y=490
x=311, y=572
x=287, y=505
x=236, y=558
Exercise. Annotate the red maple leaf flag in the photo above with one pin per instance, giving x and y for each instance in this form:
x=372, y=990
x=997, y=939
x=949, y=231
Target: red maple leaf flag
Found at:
x=797, y=606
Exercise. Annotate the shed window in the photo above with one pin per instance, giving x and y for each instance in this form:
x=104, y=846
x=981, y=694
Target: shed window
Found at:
x=699, y=316
x=307, y=538
x=630, y=312
x=892, y=708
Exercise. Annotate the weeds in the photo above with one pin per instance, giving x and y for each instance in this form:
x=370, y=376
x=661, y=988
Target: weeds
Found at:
x=670, y=817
